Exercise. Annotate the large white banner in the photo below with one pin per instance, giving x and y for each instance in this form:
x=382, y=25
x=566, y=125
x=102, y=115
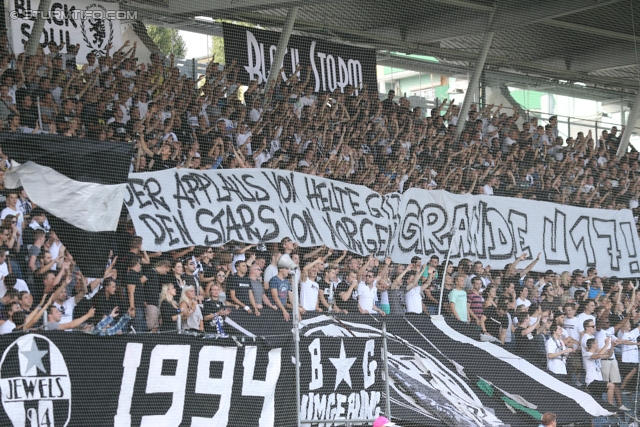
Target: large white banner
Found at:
x=180, y=207
x=91, y=24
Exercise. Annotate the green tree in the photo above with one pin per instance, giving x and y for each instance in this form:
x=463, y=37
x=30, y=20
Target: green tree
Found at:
x=168, y=40
x=218, y=49
x=217, y=43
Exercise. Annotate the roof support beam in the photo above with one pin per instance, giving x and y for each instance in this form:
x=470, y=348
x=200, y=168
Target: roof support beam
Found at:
x=283, y=41
x=475, y=77
x=590, y=30
x=512, y=16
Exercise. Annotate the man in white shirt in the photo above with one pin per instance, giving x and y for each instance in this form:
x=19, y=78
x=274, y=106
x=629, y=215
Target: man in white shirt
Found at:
x=66, y=305
x=12, y=282
x=522, y=297
x=610, y=369
x=557, y=352
x=309, y=288
x=596, y=386
x=589, y=328
x=629, y=339
x=367, y=293
x=487, y=189
x=12, y=209
x=588, y=307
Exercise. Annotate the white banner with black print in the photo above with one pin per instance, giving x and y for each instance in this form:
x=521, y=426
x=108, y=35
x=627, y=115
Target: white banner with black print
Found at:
x=91, y=24
x=178, y=208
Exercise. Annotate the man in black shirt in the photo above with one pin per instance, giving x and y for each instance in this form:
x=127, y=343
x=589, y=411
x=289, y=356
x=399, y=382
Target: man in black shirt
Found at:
x=239, y=287
x=157, y=277
x=107, y=299
x=214, y=307
x=347, y=292
x=65, y=116
x=135, y=293
x=494, y=321
x=328, y=288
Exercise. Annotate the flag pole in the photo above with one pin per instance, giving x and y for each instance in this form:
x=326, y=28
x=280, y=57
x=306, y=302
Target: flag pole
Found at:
x=453, y=232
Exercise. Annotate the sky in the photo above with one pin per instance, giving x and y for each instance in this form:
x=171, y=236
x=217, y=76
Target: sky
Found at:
x=196, y=44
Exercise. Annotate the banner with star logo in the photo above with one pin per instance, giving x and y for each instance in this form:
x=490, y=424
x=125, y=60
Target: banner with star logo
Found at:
x=341, y=378
x=437, y=377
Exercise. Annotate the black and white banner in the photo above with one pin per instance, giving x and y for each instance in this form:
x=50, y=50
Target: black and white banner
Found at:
x=334, y=66
x=89, y=23
x=147, y=380
x=341, y=378
x=178, y=208
x=76, y=380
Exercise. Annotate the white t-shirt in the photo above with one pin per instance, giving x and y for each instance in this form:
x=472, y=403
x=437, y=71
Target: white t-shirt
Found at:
x=367, y=297
x=309, y=295
x=20, y=286
x=571, y=326
x=8, y=211
x=556, y=365
x=66, y=309
x=583, y=343
x=629, y=352
x=7, y=327
x=603, y=334
x=592, y=367
x=487, y=190
x=4, y=269
x=581, y=318
x=413, y=300
x=525, y=302
x=54, y=250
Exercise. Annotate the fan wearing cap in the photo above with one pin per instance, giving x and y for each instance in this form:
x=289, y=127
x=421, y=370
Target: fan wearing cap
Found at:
x=281, y=291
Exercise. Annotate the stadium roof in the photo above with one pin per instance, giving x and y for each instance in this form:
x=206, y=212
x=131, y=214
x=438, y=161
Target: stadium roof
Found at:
x=583, y=48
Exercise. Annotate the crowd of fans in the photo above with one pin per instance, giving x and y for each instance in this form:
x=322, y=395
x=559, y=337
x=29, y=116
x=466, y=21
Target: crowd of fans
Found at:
x=576, y=324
